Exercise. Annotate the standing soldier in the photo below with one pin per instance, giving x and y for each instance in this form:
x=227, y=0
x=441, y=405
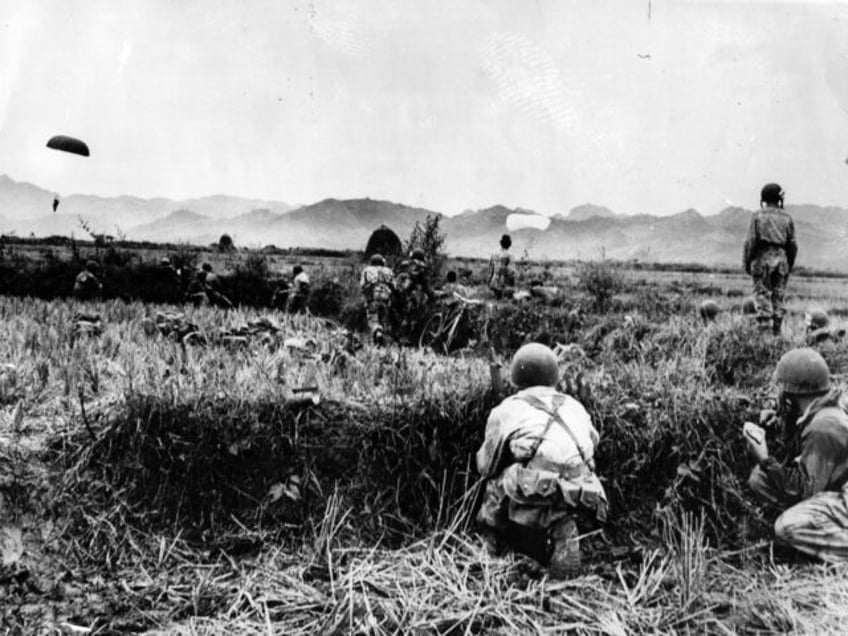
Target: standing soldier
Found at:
x=500, y=275
x=538, y=460
x=86, y=285
x=412, y=283
x=810, y=485
x=299, y=293
x=770, y=251
x=377, y=284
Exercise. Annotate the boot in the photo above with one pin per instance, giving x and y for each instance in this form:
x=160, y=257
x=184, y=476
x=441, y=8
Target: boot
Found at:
x=565, y=559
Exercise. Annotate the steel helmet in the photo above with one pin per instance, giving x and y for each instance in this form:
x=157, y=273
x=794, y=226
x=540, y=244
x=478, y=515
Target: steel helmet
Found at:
x=92, y=266
x=418, y=254
x=534, y=364
x=377, y=259
x=817, y=319
x=709, y=310
x=206, y=267
x=802, y=372
x=749, y=306
x=771, y=193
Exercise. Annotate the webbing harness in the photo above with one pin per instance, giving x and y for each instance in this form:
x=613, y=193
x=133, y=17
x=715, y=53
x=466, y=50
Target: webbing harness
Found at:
x=553, y=416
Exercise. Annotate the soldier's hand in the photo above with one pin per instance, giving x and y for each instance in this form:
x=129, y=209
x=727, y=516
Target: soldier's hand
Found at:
x=755, y=436
x=768, y=418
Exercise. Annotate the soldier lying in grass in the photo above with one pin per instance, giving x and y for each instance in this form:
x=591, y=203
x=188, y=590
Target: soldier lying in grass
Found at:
x=810, y=485
x=538, y=460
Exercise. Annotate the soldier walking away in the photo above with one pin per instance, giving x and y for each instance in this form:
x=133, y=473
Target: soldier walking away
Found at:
x=810, y=485
x=87, y=286
x=299, y=292
x=412, y=283
x=769, y=255
x=377, y=284
x=538, y=460
x=501, y=276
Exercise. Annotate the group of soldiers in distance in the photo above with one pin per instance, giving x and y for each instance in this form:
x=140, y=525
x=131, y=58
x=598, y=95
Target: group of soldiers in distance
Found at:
x=540, y=489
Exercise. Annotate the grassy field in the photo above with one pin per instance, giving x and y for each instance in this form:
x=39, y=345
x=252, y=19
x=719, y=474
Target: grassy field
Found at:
x=302, y=481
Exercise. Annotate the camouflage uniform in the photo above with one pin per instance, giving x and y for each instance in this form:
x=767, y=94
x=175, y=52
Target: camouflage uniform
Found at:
x=299, y=293
x=538, y=471
x=769, y=256
x=813, y=484
x=377, y=284
x=413, y=289
x=500, y=275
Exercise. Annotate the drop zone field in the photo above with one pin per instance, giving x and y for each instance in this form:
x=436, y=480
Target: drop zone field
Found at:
x=303, y=482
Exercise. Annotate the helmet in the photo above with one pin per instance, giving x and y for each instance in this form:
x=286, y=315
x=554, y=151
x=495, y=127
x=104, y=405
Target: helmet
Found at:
x=816, y=319
x=802, y=372
x=418, y=254
x=377, y=259
x=749, y=306
x=92, y=266
x=506, y=241
x=165, y=261
x=709, y=310
x=207, y=267
x=771, y=193
x=534, y=364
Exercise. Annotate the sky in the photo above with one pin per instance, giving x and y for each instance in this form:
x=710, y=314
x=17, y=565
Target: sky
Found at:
x=643, y=107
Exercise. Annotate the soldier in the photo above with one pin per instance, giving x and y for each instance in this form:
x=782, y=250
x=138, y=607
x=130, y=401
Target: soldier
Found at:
x=809, y=486
x=537, y=458
x=86, y=285
x=819, y=329
x=769, y=255
x=377, y=284
x=196, y=290
x=299, y=292
x=501, y=275
x=709, y=311
x=412, y=285
x=212, y=288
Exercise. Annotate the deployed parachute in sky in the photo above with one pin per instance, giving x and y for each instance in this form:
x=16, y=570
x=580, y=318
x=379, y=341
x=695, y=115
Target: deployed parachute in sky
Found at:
x=68, y=144
x=517, y=221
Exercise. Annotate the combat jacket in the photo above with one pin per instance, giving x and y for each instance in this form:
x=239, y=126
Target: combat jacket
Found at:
x=86, y=285
x=500, y=274
x=821, y=454
x=412, y=275
x=538, y=462
x=377, y=282
x=770, y=233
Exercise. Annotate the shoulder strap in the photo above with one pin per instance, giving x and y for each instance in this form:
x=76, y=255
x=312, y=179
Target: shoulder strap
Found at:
x=553, y=414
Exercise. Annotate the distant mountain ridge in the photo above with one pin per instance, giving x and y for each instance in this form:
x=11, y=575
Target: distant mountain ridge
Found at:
x=586, y=232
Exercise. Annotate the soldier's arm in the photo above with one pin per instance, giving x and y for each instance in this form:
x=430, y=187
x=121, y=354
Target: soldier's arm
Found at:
x=791, y=245
x=494, y=453
x=811, y=472
x=750, y=243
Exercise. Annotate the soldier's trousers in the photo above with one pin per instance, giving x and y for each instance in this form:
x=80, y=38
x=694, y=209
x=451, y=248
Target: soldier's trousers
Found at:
x=817, y=526
x=770, y=273
x=378, y=313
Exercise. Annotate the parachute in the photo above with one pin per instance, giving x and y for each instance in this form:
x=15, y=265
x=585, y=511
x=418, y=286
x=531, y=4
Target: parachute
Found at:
x=516, y=221
x=68, y=144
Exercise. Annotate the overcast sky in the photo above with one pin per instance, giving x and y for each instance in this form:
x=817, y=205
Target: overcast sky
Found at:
x=444, y=104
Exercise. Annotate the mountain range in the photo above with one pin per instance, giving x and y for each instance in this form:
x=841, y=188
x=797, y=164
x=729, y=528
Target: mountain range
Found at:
x=586, y=232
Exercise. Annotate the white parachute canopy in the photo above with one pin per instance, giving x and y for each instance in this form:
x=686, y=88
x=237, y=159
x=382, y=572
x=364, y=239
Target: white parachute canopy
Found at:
x=516, y=221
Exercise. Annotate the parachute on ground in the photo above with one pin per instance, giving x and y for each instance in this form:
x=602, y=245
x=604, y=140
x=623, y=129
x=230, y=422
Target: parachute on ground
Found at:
x=383, y=241
x=517, y=221
x=68, y=144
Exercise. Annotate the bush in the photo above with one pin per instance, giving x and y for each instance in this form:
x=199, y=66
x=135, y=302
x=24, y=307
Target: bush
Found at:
x=601, y=280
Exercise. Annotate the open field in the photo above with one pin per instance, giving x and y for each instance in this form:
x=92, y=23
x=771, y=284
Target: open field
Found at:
x=149, y=486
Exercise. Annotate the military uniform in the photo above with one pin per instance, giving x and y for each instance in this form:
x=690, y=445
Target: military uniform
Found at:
x=500, y=275
x=413, y=288
x=377, y=284
x=299, y=293
x=769, y=255
x=813, y=483
x=539, y=468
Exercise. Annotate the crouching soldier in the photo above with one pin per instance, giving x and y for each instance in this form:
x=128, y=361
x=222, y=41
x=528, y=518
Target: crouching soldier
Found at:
x=819, y=329
x=377, y=284
x=537, y=457
x=809, y=486
x=86, y=285
x=299, y=291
